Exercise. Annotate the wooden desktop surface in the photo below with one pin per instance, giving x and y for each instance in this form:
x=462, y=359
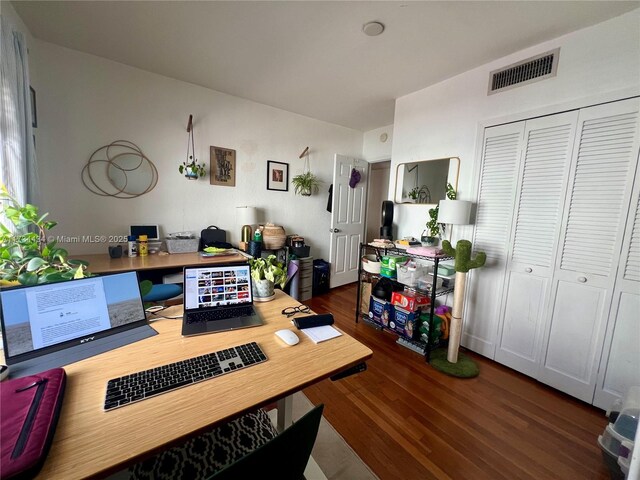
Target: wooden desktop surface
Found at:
x=102, y=263
x=91, y=442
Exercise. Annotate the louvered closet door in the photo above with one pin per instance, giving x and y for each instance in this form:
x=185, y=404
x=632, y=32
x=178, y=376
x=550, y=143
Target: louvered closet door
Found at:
x=496, y=197
x=602, y=170
x=542, y=186
x=620, y=363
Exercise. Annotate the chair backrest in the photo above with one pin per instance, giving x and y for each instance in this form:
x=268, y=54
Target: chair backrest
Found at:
x=284, y=457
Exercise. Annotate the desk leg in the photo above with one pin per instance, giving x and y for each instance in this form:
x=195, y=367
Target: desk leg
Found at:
x=285, y=412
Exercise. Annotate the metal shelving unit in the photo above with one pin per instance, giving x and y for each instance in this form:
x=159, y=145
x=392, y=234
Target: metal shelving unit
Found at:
x=434, y=293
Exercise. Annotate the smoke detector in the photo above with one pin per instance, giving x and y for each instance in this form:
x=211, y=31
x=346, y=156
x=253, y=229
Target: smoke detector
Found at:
x=373, y=29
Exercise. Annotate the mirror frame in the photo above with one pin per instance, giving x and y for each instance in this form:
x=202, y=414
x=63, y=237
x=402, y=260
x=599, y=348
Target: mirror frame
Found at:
x=454, y=183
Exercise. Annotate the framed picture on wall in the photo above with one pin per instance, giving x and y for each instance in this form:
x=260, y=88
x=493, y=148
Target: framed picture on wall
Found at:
x=277, y=176
x=223, y=166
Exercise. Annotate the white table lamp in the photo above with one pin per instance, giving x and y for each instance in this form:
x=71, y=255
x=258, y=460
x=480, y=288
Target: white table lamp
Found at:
x=454, y=212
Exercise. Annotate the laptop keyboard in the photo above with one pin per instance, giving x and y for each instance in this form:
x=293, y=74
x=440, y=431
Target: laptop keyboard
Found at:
x=149, y=383
x=220, y=314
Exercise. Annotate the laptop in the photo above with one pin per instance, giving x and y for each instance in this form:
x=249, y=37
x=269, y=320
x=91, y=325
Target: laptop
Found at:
x=52, y=325
x=218, y=298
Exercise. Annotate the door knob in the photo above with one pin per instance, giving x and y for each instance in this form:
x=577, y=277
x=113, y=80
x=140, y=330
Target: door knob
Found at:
x=582, y=279
x=334, y=230
x=528, y=269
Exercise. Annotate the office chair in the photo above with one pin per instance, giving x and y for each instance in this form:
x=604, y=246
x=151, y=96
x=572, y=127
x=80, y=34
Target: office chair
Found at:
x=235, y=449
x=153, y=293
x=284, y=457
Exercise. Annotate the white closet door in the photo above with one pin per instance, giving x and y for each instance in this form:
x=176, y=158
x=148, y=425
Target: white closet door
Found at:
x=542, y=188
x=496, y=198
x=620, y=364
x=603, y=165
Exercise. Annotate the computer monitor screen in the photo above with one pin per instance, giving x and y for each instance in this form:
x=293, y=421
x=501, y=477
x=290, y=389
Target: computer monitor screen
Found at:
x=40, y=319
x=217, y=286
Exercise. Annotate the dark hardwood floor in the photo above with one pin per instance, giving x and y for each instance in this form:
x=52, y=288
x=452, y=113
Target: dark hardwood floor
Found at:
x=408, y=421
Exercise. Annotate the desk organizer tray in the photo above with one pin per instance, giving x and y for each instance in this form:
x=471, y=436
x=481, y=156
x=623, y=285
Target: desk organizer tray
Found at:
x=28, y=418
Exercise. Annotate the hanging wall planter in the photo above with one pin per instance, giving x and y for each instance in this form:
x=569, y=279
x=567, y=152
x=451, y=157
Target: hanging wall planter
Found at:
x=307, y=183
x=191, y=169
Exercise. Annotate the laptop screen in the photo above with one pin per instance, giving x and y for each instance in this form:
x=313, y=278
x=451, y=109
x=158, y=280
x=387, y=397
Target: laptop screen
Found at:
x=217, y=286
x=43, y=318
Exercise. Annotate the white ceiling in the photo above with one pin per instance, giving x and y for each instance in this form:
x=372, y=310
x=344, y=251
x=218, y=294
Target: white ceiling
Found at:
x=311, y=57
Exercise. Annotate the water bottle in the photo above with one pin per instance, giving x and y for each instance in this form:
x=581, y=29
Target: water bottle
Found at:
x=132, y=246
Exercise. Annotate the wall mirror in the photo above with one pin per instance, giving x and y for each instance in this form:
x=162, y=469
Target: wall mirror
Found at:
x=425, y=181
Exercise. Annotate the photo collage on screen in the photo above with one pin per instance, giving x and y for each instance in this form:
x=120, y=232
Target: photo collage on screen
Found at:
x=222, y=287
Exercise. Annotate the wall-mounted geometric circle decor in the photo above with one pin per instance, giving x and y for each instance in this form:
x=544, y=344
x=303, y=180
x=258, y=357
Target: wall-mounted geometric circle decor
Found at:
x=119, y=170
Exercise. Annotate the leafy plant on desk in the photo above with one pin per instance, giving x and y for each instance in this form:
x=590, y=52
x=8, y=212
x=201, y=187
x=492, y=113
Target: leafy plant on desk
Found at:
x=268, y=269
x=26, y=256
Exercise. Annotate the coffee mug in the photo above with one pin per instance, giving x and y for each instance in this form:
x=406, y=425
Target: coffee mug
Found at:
x=115, y=252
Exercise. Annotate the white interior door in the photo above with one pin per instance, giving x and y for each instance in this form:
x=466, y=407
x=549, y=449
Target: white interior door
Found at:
x=496, y=198
x=620, y=364
x=548, y=143
x=602, y=171
x=347, y=220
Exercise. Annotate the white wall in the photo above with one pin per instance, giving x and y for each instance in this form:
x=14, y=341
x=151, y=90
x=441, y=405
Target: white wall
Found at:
x=597, y=64
x=373, y=148
x=87, y=102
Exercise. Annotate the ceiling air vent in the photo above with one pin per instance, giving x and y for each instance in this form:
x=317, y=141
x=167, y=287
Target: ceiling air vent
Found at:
x=527, y=71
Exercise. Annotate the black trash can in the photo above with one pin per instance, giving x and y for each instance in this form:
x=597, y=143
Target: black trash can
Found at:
x=321, y=272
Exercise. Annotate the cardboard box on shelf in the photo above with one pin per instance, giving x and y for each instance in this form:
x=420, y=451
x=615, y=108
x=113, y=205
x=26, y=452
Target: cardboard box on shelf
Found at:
x=380, y=311
x=410, y=301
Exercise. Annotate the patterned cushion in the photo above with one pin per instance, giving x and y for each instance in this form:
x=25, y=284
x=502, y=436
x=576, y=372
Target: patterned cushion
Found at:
x=208, y=453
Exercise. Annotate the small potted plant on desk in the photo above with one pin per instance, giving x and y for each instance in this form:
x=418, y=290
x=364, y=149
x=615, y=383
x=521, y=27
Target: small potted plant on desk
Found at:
x=266, y=274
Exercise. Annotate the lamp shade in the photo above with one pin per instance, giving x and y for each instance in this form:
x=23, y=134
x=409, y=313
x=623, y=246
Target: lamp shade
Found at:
x=247, y=215
x=454, y=212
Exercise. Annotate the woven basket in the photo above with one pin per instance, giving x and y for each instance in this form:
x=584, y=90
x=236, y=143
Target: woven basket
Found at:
x=182, y=245
x=273, y=236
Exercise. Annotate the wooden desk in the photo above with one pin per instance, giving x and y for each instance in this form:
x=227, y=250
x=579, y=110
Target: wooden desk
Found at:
x=102, y=263
x=91, y=442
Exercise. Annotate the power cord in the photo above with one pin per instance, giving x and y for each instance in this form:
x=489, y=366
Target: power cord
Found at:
x=156, y=309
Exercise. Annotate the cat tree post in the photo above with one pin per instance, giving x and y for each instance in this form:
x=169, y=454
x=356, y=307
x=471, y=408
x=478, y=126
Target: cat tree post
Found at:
x=455, y=329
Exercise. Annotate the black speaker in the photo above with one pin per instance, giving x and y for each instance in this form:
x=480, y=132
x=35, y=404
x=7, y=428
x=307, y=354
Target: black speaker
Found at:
x=386, y=232
x=387, y=213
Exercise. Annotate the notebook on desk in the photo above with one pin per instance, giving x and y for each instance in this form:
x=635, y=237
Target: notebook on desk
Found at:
x=218, y=298
x=52, y=325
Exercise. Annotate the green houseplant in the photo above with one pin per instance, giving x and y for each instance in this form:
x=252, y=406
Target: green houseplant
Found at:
x=435, y=229
x=192, y=170
x=306, y=184
x=28, y=257
x=266, y=273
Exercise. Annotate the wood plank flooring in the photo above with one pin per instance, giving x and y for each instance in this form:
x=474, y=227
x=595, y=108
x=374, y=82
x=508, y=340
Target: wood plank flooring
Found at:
x=408, y=421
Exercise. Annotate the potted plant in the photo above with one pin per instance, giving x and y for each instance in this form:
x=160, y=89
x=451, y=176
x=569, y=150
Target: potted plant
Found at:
x=413, y=194
x=306, y=184
x=192, y=170
x=27, y=257
x=434, y=229
x=266, y=273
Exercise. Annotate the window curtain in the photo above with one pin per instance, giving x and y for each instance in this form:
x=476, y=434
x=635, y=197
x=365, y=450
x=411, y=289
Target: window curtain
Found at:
x=18, y=167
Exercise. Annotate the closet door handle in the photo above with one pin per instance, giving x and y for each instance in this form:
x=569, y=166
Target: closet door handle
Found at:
x=582, y=279
x=528, y=269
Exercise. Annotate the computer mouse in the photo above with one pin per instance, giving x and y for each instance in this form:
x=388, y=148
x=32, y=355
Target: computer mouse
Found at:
x=287, y=336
